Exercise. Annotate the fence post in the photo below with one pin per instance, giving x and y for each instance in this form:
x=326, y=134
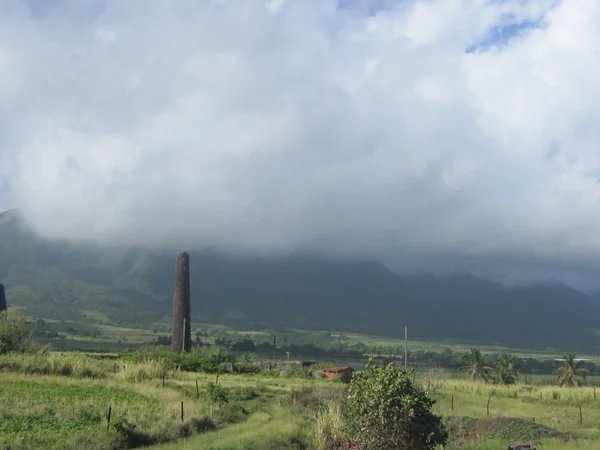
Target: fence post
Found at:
x=580, y=416
x=182, y=410
x=108, y=416
x=594, y=392
x=452, y=404
x=488, y=404
x=197, y=390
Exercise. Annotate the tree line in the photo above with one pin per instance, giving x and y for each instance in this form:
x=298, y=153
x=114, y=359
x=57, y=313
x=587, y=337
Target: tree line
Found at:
x=571, y=371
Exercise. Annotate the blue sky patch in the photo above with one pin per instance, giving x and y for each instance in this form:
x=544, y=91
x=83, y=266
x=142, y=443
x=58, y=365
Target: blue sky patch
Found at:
x=504, y=32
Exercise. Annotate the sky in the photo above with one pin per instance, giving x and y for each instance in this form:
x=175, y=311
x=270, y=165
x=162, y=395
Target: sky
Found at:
x=427, y=134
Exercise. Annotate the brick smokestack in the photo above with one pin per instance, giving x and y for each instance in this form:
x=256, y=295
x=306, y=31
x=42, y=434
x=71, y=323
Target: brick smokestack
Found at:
x=182, y=330
x=3, y=306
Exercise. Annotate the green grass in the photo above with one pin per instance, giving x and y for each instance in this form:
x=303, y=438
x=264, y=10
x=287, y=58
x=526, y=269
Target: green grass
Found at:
x=550, y=406
x=275, y=428
x=41, y=410
x=60, y=401
x=48, y=412
x=46, y=402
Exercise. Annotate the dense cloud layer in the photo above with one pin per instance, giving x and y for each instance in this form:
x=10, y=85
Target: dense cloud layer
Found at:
x=413, y=131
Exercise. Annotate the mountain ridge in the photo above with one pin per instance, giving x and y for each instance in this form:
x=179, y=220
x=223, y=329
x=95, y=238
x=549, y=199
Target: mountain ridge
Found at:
x=133, y=286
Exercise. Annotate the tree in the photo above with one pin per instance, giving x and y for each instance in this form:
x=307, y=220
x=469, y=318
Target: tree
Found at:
x=248, y=357
x=217, y=394
x=506, y=370
x=385, y=410
x=570, y=371
x=15, y=335
x=476, y=366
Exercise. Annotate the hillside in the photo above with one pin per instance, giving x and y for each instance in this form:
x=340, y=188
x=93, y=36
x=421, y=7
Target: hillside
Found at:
x=134, y=285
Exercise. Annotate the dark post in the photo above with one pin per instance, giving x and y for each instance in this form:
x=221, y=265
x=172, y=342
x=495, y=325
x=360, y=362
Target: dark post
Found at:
x=580, y=416
x=108, y=416
x=182, y=330
x=488, y=405
x=182, y=410
x=452, y=404
x=3, y=306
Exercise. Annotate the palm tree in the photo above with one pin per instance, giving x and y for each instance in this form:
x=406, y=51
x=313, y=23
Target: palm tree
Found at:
x=476, y=367
x=506, y=370
x=571, y=370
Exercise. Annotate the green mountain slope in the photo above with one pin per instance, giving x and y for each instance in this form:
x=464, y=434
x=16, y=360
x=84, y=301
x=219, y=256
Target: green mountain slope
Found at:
x=134, y=286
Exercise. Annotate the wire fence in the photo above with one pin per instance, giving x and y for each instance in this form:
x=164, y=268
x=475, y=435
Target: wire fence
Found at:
x=569, y=414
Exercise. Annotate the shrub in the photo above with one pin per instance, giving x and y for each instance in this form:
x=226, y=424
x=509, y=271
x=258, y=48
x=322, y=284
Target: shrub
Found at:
x=231, y=413
x=52, y=364
x=242, y=393
x=198, y=360
x=217, y=393
x=15, y=335
x=246, y=367
x=385, y=410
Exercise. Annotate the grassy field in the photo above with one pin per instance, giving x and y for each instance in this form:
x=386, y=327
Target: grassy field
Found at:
x=523, y=412
x=60, y=401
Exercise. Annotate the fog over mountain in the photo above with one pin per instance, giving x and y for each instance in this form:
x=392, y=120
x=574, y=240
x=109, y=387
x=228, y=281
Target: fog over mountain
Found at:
x=431, y=135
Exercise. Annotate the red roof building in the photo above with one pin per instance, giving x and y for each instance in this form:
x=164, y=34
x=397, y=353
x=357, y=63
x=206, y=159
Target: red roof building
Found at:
x=342, y=373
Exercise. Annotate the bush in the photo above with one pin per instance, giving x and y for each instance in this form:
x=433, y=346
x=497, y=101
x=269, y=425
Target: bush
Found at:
x=74, y=364
x=217, y=393
x=198, y=360
x=246, y=367
x=15, y=335
x=385, y=410
x=242, y=393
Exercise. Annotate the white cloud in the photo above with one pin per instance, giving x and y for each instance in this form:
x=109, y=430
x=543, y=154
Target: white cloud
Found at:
x=278, y=125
